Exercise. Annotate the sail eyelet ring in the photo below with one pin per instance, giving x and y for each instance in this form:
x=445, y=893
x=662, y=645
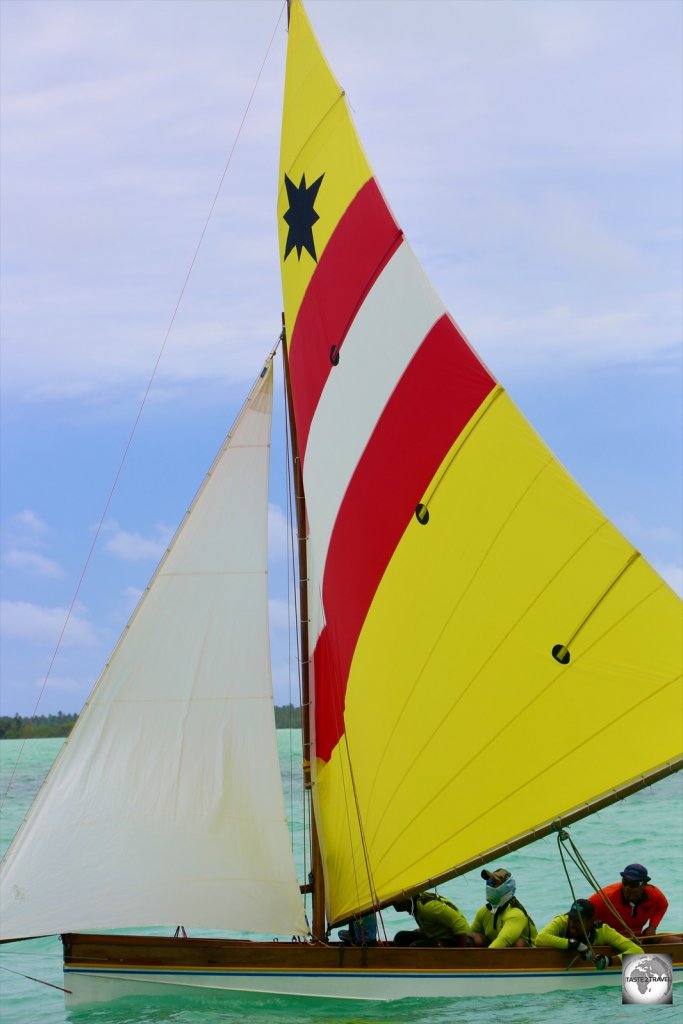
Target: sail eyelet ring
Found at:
x=422, y=514
x=334, y=355
x=560, y=653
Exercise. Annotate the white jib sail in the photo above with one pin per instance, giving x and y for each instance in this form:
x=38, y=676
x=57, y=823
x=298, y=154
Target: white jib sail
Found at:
x=165, y=806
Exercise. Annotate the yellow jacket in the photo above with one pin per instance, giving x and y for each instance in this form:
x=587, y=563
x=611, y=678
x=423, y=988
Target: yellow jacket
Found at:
x=437, y=917
x=510, y=924
x=556, y=934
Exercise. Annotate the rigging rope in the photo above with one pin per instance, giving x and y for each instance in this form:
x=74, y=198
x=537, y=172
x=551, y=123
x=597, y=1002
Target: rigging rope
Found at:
x=290, y=574
x=138, y=417
x=353, y=804
x=563, y=837
x=575, y=856
x=39, y=980
x=292, y=581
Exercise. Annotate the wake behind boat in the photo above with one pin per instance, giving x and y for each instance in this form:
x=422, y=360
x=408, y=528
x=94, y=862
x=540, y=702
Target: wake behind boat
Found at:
x=446, y=559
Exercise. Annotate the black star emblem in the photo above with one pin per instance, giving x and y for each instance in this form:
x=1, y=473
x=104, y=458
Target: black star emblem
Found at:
x=301, y=216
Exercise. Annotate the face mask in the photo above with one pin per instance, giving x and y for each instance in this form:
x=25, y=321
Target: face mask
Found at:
x=499, y=895
x=492, y=896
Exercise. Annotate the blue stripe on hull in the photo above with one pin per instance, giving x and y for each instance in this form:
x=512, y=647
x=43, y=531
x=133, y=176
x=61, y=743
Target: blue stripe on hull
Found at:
x=217, y=973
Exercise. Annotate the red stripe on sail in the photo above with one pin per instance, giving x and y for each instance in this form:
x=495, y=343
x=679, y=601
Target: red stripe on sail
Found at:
x=362, y=243
x=441, y=389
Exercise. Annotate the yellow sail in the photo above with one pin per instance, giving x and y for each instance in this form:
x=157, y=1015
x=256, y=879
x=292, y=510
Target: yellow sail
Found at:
x=489, y=653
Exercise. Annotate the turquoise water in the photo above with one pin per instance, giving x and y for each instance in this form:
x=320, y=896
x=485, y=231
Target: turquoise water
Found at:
x=647, y=828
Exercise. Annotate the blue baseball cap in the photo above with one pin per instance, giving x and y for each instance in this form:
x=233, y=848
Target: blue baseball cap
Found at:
x=636, y=873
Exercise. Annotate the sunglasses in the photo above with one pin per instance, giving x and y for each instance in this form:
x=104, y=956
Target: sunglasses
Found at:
x=631, y=883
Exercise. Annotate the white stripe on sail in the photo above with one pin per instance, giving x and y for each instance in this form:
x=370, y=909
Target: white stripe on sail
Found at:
x=390, y=326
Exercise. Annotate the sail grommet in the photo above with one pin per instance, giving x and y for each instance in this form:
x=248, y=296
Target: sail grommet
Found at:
x=561, y=654
x=334, y=355
x=422, y=514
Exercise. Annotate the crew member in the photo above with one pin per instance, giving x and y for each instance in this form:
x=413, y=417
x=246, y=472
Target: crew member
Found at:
x=439, y=922
x=502, y=921
x=631, y=905
x=579, y=931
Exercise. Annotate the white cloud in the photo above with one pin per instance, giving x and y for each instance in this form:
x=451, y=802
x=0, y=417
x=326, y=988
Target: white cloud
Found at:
x=568, y=337
x=131, y=598
x=278, y=532
x=30, y=521
x=577, y=230
x=63, y=684
x=26, y=529
x=285, y=684
x=673, y=574
x=640, y=534
x=42, y=626
x=119, y=126
x=37, y=564
x=133, y=546
x=280, y=613
x=537, y=176
x=534, y=140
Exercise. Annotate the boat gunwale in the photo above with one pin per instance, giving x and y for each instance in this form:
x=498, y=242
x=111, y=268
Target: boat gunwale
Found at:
x=91, y=953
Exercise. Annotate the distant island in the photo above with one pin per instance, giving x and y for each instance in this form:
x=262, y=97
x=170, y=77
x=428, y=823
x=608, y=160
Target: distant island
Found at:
x=19, y=728
x=43, y=726
x=287, y=717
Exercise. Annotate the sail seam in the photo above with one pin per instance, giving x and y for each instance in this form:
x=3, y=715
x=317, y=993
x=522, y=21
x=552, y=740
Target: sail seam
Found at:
x=475, y=420
x=309, y=137
x=216, y=572
x=396, y=241
x=447, y=622
x=338, y=710
x=574, y=814
x=159, y=571
x=570, y=753
x=629, y=562
x=503, y=640
x=227, y=698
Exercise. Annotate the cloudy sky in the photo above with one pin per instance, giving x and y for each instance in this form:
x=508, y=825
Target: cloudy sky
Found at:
x=531, y=152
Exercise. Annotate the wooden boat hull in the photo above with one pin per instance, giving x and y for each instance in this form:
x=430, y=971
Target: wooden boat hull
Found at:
x=105, y=967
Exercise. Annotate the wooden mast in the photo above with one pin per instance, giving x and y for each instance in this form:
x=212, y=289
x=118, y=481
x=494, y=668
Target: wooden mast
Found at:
x=318, y=885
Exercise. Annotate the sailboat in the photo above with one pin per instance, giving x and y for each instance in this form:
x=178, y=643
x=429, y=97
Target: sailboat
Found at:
x=446, y=559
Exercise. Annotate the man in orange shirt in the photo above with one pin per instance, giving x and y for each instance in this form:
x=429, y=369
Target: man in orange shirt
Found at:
x=639, y=907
